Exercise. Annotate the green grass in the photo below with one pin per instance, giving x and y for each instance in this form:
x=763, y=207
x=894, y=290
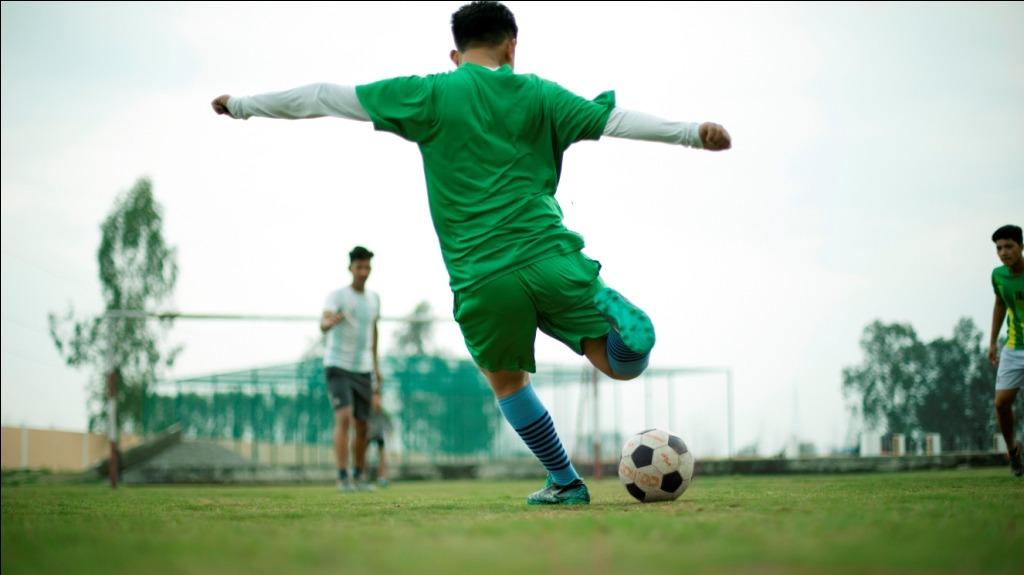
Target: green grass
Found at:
x=962, y=521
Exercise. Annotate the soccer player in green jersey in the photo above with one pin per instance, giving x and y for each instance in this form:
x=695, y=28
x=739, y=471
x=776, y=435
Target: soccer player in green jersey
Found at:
x=492, y=142
x=1008, y=283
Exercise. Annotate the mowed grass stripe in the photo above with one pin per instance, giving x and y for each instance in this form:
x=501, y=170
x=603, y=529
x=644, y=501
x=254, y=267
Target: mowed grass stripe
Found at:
x=951, y=521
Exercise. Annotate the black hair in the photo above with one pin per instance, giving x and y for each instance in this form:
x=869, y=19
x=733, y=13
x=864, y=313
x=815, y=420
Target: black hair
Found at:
x=1008, y=232
x=359, y=253
x=482, y=24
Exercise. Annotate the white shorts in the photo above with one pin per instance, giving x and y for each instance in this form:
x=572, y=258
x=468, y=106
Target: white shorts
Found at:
x=1011, y=369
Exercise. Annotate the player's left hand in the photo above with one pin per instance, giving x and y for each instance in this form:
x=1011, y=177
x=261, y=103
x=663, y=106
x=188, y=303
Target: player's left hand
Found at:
x=714, y=137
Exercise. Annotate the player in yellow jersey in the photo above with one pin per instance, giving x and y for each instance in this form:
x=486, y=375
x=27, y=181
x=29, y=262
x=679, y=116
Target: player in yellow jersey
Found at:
x=1008, y=283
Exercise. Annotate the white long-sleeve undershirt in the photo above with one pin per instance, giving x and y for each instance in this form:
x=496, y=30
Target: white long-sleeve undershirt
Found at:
x=633, y=125
x=310, y=101
x=320, y=100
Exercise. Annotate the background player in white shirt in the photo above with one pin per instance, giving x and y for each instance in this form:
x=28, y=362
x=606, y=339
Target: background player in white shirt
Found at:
x=351, y=366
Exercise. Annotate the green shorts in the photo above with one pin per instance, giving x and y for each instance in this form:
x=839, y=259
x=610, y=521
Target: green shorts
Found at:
x=499, y=320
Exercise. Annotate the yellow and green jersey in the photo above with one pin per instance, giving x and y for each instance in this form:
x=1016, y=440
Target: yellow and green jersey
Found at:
x=1010, y=288
x=492, y=143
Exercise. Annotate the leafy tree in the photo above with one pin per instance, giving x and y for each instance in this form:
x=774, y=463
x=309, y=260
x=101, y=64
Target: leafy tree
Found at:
x=907, y=386
x=958, y=404
x=138, y=272
x=891, y=383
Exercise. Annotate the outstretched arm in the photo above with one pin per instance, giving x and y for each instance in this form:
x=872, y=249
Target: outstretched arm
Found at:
x=634, y=125
x=310, y=101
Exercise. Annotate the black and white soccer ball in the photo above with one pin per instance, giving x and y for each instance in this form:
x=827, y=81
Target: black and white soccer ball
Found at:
x=655, y=466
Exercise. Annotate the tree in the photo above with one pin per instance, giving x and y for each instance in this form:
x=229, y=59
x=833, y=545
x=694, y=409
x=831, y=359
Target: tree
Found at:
x=138, y=272
x=958, y=404
x=891, y=381
x=907, y=386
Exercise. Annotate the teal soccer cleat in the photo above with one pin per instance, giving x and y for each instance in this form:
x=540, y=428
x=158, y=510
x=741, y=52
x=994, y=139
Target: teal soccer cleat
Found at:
x=575, y=493
x=633, y=325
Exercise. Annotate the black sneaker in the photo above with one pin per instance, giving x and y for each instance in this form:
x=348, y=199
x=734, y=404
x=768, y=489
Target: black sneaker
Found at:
x=575, y=493
x=1017, y=461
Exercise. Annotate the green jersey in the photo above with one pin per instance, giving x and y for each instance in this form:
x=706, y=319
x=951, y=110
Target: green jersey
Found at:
x=1010, y=288
x=492, y=143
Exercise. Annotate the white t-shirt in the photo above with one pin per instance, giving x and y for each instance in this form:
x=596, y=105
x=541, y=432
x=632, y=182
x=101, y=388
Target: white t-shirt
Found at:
x=350, y=343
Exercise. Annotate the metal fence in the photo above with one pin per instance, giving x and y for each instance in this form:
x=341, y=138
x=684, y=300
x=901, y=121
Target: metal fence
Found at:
x=443, y=411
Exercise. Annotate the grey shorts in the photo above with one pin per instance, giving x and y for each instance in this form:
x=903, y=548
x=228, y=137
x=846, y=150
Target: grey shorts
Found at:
x=1011, y=369
x=346, y=388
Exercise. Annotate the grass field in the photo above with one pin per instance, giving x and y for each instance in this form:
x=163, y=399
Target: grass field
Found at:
x=962, y=521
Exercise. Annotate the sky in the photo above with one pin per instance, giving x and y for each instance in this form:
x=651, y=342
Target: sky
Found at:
x=876, y=147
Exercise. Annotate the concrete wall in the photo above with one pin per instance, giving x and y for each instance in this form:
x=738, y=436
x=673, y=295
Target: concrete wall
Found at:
x=26, y=448
x=67, y=451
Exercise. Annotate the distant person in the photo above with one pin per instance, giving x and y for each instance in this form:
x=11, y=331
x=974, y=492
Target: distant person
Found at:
x=492, y=144
x=380, y=436
x=1008, y=283
x=351, y=367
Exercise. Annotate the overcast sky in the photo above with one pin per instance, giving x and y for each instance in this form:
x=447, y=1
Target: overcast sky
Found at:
x=876, y=147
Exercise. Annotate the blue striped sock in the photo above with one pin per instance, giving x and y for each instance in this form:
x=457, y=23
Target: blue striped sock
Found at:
x=527, y=415
x=624, y=360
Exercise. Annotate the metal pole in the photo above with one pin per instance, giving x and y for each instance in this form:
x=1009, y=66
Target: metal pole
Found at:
x=112, y=431
x=728, y=385
x=672, y=405
x=648, y=410
x=171, y=315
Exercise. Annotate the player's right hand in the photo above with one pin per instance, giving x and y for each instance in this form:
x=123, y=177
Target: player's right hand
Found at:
x=330, y=319
x=714, y=137
x=993, y=356
x=220, y=105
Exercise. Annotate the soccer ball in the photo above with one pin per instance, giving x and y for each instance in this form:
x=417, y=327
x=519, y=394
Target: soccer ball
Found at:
x=655, y=466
